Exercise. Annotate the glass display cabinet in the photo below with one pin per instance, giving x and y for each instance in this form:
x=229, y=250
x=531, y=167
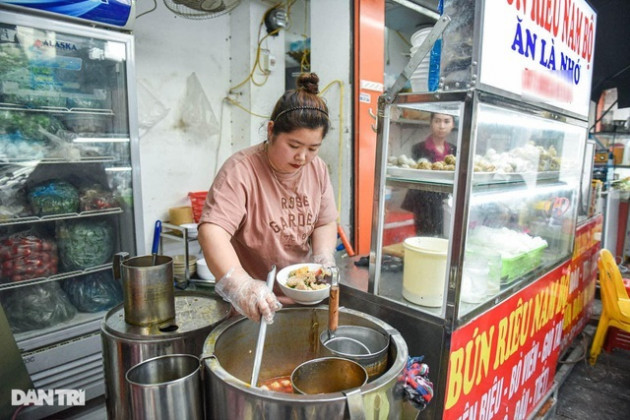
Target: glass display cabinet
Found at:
x=476, y=256
x=495, y=216
x=69, y=192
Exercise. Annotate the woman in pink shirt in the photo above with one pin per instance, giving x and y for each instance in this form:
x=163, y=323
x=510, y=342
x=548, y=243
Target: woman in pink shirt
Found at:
x=272, y=204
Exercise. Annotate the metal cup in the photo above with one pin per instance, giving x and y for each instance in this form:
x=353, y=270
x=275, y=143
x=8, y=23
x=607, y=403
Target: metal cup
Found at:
x=148, y=291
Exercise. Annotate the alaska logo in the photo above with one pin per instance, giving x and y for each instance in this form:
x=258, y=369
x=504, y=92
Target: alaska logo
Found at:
x=60, y=45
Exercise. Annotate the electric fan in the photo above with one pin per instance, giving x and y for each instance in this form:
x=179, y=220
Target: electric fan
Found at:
x=201, y=9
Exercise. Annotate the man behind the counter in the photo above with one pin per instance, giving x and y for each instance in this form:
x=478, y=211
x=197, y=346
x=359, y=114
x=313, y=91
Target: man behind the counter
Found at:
x=272, y=204
x=426, y=205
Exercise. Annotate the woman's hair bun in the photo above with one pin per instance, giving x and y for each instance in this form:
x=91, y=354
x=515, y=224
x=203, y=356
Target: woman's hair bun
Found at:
x=309, y=82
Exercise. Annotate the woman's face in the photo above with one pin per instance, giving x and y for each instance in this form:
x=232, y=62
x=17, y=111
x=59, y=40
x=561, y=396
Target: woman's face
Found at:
x=441, y=126
x=288, y=152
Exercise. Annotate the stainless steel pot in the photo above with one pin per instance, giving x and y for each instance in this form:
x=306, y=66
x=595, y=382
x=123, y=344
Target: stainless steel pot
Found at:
x=126, y=345
x=366, y=346
x=166, y=387
x=148, y=291
x=292, y=339
x=328, y=374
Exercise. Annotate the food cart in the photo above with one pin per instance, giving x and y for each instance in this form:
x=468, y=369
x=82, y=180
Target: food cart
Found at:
x=493, y=310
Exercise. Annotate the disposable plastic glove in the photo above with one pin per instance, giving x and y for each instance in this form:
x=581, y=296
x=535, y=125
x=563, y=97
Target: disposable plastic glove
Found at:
x=325, y=258
x=248, y=296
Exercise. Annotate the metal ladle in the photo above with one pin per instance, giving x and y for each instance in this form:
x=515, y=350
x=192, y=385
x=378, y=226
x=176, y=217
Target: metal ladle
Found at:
x=262, y=332
x=341, y=344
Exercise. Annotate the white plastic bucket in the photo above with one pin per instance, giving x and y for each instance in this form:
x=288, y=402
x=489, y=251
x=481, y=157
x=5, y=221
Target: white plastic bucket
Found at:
x=424, y=270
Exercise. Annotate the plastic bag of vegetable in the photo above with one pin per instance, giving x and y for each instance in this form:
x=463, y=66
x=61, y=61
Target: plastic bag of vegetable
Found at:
x=14, y=146
x=54, y=197
x=29, y=126
x=25, y=256
x=84, y=243
x=13, y=202
x=95, y=197
x=94, y=292
x=37, y=306
x=34, y=135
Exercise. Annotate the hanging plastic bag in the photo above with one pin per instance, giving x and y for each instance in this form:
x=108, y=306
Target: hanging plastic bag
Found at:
x=150, y=109
x=196, y=116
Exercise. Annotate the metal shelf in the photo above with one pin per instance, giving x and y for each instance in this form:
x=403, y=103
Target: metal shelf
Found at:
x=183, y=238
x=49, y=161
x=53, y=217
x=55, y=277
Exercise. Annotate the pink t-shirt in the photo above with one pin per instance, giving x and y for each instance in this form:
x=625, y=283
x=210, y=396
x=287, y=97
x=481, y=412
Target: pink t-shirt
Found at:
x=270, y=216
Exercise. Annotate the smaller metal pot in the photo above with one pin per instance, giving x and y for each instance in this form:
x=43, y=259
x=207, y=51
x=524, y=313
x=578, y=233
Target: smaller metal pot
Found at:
x=166, y=387
x=328, y=374
x=364, y=345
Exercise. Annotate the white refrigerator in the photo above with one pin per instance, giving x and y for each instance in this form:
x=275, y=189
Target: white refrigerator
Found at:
x=69, y=188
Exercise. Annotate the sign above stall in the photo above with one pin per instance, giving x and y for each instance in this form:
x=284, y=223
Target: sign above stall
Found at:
x=542, y=50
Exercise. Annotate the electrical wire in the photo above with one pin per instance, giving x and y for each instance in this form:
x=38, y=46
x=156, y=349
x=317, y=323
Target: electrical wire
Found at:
x=304, y=65
x=237, y=104
x=405, y=40
x=340, y=141
x=148, y=11
x=290, y=4
x=257, y=63
x=584, y=345
x=340, y=145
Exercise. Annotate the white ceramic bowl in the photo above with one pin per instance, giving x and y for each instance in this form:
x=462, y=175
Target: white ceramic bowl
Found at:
x=191, y=228
x=203, y=271
x=304, y=297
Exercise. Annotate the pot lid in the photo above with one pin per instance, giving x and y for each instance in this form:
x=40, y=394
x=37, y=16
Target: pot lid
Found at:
x=193, y=311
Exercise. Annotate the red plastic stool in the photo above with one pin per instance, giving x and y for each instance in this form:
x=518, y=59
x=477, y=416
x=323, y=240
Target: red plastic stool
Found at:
x=615, y=338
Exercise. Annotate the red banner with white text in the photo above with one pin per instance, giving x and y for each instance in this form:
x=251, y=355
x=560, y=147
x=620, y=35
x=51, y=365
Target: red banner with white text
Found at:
x=503, y=362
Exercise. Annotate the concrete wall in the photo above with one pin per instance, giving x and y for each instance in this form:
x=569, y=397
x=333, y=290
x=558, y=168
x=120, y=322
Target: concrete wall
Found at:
x=178, y=156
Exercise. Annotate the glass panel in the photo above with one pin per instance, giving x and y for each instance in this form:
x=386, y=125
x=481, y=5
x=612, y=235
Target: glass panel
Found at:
x=420, y=173
x=65, y=176
x=522, y=218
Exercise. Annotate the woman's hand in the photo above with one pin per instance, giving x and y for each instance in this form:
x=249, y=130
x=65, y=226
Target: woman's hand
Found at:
x=248, y=296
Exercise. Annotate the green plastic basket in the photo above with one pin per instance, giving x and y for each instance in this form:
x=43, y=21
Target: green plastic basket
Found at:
x=515, y=267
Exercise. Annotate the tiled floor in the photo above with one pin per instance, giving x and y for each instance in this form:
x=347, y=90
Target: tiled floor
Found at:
x=600, y=392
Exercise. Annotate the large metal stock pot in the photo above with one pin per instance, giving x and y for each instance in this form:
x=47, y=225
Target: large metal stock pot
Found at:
x=292, y=339
x=126, y=345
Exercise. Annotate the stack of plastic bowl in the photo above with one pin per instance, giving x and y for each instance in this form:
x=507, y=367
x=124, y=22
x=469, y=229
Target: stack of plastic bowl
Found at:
x=420, y=77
